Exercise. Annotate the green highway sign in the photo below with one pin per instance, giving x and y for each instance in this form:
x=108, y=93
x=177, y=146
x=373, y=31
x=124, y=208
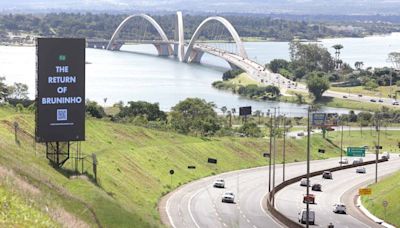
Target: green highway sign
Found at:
x=356, y=151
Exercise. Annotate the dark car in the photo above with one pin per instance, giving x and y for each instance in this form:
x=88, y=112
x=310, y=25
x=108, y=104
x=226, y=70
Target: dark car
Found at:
x=316, y=187
x=372, y=100
x=327, y=175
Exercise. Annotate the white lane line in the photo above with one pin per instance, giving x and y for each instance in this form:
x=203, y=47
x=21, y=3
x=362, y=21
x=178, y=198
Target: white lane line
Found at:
x=168, y=214
x=248, y=221
x=266, y=213
x=254, y=226
x=190, y=210
x=225, y=224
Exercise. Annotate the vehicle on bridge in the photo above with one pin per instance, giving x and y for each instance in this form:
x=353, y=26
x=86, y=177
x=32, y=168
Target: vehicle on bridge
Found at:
x=385, y=156
x=303, y=182
x=317, y=187
x=358, y=161
x=310, y=198
x=361, y=170
x=344, y=161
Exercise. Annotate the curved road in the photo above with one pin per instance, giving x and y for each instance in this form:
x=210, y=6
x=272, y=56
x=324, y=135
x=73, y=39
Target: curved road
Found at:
x=289, y=200
x=198, y=204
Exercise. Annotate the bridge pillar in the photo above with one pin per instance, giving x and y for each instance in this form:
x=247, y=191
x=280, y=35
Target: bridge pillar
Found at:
x=195, y=56
x=233, y=66
x=116, y=46
x=164, y=49
x=179, y=48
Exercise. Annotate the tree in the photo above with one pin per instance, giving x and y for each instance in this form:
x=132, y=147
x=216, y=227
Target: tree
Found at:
x=151, y=111
x=371, y=85
x=358, y=65
x=94, y=109
x=277, y=64
x=196, y=116
x=223, y=110
x=317, y=84
x=312, y=57
x=257, y=113
x=18, y=91
x=250, y=129
x=4, y=89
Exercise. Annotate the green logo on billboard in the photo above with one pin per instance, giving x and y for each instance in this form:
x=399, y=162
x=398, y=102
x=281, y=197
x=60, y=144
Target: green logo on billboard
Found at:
x=62, y=57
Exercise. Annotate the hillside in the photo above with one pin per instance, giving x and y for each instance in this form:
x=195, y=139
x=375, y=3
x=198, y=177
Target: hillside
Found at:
x=133, y=169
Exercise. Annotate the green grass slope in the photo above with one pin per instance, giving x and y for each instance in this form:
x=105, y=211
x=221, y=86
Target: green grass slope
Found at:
x=133, y=168
x=386, y=190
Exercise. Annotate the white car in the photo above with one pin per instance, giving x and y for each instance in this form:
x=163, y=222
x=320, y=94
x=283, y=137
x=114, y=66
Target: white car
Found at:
x=339, y=208
x=303, y=217
x=303, y=182
x=219, y=183
x=361, y=170
x=344, y=161
x=228, y=197
x=358, y=161
x=395, y=103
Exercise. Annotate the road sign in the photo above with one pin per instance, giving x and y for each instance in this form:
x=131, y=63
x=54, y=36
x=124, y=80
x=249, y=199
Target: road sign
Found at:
x=385, y=203
x=378, y=147
x=191, y=167
x=324, y=119
x=322, y=151
x=245, y=111
x=356, y=151
x=266, y=155
x=171, y=172
x=212, y=160
x=364, y=191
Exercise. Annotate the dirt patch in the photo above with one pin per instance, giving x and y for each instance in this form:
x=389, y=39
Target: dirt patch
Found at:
x=18, y=182
x=66, y=219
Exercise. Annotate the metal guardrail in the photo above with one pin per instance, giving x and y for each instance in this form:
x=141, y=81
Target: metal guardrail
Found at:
x=280, y=216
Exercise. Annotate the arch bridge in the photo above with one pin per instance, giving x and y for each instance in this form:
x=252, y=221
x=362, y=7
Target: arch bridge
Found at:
x=192, y=51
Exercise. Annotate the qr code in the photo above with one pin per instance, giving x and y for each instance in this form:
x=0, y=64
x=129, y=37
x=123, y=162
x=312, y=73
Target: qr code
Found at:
x=62, y=114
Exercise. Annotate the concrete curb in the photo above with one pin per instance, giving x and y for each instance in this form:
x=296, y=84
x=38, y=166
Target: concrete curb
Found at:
x=370, y=215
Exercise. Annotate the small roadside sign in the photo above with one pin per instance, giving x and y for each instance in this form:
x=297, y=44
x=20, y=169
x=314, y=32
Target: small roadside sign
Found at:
x=171, y=172
x=322, y=151
x=378, y=147
x=212, y=160
x=364, y=191
x=356, y=151
x=266, y=155
x=191, y=167
x=385, y=203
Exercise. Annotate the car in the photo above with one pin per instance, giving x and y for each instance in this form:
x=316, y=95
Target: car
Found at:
x=310, y=198
x=219, y=183
x=357, y=161
x=300, y=133
x=339, y=208
x=380, y=100
x=303, y=217
x=228, y=197
x=359, y=95
x=395, y=103
x=303, y=182
x=361, y=170
x=344, y=96
x=327, y=175
x=316, y=187
x=344, y=161
x=372, y=100
x=385, y=156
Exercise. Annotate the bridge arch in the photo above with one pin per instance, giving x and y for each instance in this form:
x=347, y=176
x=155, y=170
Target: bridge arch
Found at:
x=240, y=47
x=161, y=48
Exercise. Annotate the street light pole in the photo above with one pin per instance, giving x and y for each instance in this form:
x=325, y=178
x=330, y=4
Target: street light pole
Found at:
x=308, y=167
x=270, y=154
x=284, y=148
x=341, y=146
x=274, y=159
x=377, y=148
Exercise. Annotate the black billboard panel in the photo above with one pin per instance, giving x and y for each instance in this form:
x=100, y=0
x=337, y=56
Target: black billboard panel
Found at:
x=245, y=111
x=60, y=90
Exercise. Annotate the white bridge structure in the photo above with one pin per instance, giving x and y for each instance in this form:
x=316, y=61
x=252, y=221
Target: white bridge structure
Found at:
x=192, y=51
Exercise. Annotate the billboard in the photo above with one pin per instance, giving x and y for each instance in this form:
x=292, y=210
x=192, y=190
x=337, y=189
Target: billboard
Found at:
x=325, y=119
x=245, y=111
x=60, y=90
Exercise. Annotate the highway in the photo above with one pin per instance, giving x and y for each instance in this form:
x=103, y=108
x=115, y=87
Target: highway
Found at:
x=198, y=204
x=289, y=200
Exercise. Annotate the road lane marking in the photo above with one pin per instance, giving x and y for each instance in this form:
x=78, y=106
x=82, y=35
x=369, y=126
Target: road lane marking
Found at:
x=266, y=213
x=168, y=214
x=190, y=210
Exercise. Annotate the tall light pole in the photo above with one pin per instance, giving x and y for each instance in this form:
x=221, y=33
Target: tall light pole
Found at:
x=377, y=148
x=341, y=146
x=284, y=148
x=270, y=152
x=308, y=167
x=274, y=158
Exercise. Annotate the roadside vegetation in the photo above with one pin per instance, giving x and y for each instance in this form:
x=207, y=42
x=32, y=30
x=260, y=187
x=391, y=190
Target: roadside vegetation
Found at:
x=387, y=190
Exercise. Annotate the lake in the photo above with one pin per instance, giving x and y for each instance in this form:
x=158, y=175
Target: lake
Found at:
x=135, y=73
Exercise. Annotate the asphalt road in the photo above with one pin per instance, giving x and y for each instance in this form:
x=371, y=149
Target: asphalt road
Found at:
x=198, y=204
x=289, y=200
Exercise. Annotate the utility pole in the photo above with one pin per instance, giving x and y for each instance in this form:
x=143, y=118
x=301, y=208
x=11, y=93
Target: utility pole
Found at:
x=274, y=159
x=284, y=148
x=377, y=147
x=308, y=167
x=341, y=146
x=270, y=152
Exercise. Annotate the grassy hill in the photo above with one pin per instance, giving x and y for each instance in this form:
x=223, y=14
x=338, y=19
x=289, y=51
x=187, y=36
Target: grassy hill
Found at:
x=388, y=189
x=133, y=169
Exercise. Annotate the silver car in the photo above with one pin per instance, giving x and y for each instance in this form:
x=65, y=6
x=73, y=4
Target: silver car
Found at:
x=228, y=197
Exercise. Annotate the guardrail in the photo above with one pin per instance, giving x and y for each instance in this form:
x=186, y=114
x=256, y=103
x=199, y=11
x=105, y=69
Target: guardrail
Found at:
x=287, y=221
